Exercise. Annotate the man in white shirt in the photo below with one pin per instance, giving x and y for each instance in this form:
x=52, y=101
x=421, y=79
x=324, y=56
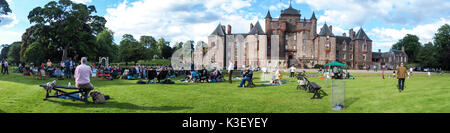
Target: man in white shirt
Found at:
x=292, y=70
x=230, y=72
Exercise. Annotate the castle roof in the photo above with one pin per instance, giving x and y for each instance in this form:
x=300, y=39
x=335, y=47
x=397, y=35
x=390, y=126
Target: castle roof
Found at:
x=219, y=30
x=313, y=16
x=361, y=34
x=341, y=39
x=268, y=15
x=257, y=30
x=324, y=31
x=290, y=11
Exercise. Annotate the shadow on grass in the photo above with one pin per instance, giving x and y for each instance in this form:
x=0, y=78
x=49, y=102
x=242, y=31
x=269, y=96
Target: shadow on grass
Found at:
x=1, y=111
x=350, y=101
x=113, y=104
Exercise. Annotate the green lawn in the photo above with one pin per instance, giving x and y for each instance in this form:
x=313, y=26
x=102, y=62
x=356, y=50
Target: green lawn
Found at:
x=367, y=94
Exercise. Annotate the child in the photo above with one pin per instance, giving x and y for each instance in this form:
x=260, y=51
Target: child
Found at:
x=382, y=74
x=393, y=74
x=278, y=79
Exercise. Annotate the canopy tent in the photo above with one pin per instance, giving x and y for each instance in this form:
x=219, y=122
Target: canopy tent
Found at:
x=336, y=63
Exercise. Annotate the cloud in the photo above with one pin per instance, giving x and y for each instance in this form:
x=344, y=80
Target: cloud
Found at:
x=354, y=12
x=8, y=21
x=279, y=6
x=9, y=37
x=424, y=32
x=178, y=20
x=82, y=1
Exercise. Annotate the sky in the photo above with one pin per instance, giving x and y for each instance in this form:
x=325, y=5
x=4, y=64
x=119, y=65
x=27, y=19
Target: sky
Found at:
x=385, y=21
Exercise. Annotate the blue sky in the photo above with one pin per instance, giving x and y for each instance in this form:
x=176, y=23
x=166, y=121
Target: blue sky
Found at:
x=385, y=21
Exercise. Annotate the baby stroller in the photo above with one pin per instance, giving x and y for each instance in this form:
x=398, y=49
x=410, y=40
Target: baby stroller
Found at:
x=302, y=82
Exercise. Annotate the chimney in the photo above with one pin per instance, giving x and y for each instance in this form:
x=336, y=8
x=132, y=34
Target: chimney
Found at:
x=331, y=28
x=351, y=33
x=251, y=26
x=223, y=28
x=344, y=34
x=229, y=30
x=403, y=48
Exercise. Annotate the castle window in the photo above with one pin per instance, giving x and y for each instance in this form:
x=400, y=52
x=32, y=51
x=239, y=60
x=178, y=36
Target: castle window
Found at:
x=351, y=56
x=364, y=46
x=295, y=47
x=326, y=56
x=364, y=56
x=304, y=47
x=287, y=36
x=344, y=56
x=345, y=47
x=295, y=36
x=304, y=24
x=304, y=32
x=327, y=45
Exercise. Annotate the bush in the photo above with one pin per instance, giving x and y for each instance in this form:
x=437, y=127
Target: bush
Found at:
x=317, y=66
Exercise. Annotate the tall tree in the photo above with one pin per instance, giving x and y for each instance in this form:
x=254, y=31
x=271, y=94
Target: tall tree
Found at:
x=14, y=53
x=151, y=47
x=130, y=49
x=4, y=8
x=4, y=52
x=428, y=57
x=411, y=44
x=67, y=26
x=105, y=44
x=442, y=42
x=164, y=48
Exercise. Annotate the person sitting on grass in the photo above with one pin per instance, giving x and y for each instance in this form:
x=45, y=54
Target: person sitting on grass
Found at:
x=58, y=73
x=247, y=76
x=193, y=76
x=278, y=78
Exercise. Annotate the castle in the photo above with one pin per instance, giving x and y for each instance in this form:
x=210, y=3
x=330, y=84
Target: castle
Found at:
x=288, y=41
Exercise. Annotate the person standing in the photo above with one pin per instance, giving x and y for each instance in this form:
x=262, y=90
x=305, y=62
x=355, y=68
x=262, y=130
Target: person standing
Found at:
x=67, y=66
x=5, y=63
x=230, y=72
x=401, y=74
x=292, y=70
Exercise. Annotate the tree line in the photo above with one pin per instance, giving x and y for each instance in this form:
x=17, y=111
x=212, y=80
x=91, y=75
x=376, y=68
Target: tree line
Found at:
x=63, y=29
x=434, y=54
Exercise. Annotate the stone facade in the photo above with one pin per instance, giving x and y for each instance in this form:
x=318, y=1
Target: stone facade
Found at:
x=289, y=41
x=389, y=60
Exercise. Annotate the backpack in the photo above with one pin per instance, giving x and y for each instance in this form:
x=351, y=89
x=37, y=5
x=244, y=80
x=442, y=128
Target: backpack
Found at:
x=97, y=97
x=141, y=82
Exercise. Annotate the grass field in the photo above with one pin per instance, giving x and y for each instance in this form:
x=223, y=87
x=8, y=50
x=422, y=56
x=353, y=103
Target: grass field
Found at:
x=367, y=94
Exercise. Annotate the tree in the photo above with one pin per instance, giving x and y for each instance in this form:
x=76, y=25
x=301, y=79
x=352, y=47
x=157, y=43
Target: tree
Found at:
x=442, y=42
x=105, y=44
x=411, y=44
x=14, y=53
x=4, y=8
x=34, y=53
x=65, y=25
x=27, y=39
x=151, y=47
x=4, y=52
x=428, y=57
x=164, y=48
x=130, y=49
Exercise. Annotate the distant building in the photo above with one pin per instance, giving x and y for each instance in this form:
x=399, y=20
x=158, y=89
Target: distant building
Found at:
x=389, y=60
